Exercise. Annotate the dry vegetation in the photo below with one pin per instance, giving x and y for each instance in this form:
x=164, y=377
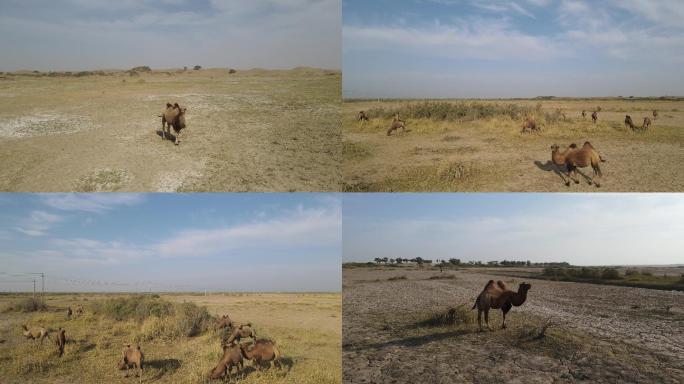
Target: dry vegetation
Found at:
x=476, y=145
x=254, y=130
x=175, y=333
x=421, y=329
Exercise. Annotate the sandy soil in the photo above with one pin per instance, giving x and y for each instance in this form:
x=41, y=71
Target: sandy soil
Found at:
x=492, y=155
x=250, y=131
x=601, y=334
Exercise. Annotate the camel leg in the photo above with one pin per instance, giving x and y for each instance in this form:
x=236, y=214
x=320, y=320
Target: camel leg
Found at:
x=505, y=309
x=479, y=318
x=572, y=171
x=487, y=319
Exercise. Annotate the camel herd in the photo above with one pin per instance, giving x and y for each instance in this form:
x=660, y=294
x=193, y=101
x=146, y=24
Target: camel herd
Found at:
x=234, y=352
x=258, y=351
x=529, y=125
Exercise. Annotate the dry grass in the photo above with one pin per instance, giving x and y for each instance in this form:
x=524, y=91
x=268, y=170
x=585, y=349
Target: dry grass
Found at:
x=252, y=130
x=306, y=327
x=485, y=138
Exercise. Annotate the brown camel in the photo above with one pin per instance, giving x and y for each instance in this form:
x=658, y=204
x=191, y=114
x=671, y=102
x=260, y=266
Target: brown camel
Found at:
x=498, y=296
x=647, y=123
x=655, y=114
x=594, y=116
x=396, y=124
x=362, y=116
x=629, y=123
x=584, y=114
x=574, y=158
x=530, y=125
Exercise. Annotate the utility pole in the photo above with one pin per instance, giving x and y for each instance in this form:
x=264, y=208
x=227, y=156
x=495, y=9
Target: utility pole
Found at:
x=34, y=289
x=42, y=285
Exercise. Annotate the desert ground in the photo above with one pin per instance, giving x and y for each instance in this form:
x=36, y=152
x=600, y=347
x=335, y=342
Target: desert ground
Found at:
x=306, y=327
x=475, y=153
x=253, y=130
x=393, y=332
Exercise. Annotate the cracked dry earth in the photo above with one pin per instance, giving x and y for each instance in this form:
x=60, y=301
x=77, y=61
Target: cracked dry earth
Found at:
x=598, y=333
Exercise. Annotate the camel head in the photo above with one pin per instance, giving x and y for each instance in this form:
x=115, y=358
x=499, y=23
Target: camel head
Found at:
x=555, y=148
x=524, y=287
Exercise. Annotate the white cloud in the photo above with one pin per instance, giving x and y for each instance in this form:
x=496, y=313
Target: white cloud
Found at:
x=306, y=227
x=491, y=39
x=37, y=223
x=91, y=202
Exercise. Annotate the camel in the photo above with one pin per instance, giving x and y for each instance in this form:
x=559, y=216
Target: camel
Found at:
x=530, y=125
x=173, y=116
x=646, y=124
x=396, y=124
x=362, y=116
x=584, y=114
x=498, y=296
x=35, y=333
x=223, y=322
x=655, y=114
x=594, y=116
x=629, y=123
x=232, y=357
x=574, y=158
x=261, y=350
x=61, y=341
x=132, y=357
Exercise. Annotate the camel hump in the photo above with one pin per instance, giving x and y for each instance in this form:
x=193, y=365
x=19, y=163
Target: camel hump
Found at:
x=489, y=284
x=502, y=285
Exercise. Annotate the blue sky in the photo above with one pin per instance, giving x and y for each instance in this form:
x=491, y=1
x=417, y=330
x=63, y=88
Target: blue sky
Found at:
x=583, y=229
x=522, y=48
x=103, y=34
x=129, y=242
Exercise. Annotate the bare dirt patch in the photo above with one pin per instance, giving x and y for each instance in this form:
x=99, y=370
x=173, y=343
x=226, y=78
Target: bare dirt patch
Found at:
x=247, y=131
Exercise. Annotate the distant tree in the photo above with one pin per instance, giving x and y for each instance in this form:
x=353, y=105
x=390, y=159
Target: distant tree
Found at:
x=391, y=261
x=377, y=260
x=197, y=67
x=384, y=260
x=399, y=260
x=185, y=68
x=231, y=71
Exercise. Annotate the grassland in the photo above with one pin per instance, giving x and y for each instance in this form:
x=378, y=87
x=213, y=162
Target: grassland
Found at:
x=421, y=329
x=476, y=145
x=307, y=327
x=253, y=130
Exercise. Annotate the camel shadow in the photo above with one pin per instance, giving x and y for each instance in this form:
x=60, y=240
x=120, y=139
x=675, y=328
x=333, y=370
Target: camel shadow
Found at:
x=167, y=134
x=165, y=366
x=549, y=166
x=414, y=341
x=285, y=362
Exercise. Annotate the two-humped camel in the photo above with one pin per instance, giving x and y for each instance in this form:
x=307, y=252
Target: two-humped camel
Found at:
x=498, y=296
x=573, y=158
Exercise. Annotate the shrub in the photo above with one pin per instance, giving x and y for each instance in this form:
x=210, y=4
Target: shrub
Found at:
x=231, y=71
x=441, y=110
x=159, y=318
x=137, y=307
x=197, y=67
x=453, y=316
x=142, y=68
x=27, y=305
x=395, y=278
x=610, y=274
